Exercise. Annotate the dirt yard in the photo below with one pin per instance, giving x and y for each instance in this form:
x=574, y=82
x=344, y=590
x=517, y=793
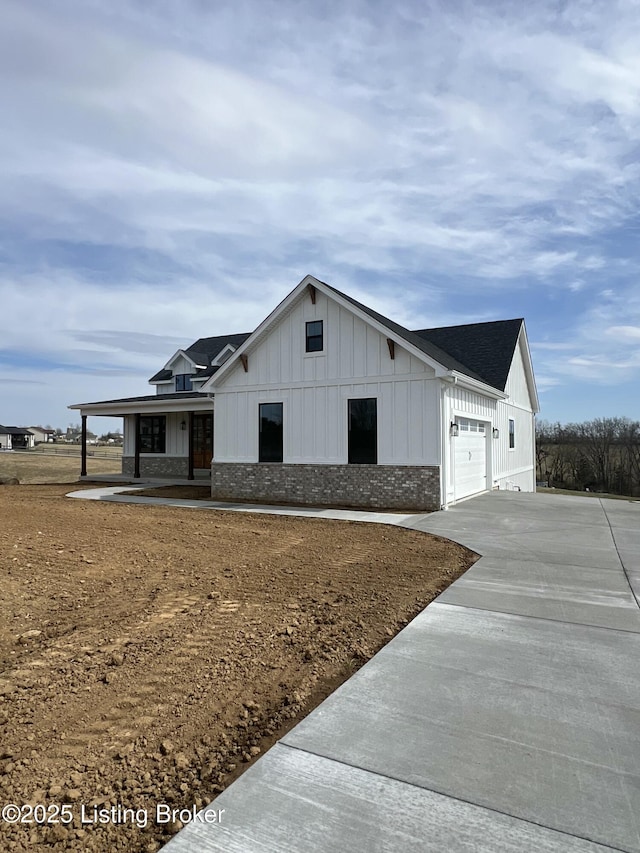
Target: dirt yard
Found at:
x=149, y=654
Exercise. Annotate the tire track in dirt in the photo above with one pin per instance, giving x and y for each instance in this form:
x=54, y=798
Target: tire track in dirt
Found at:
x=117, y=726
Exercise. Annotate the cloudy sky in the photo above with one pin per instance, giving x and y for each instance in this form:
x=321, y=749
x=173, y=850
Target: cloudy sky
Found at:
x=171, y=170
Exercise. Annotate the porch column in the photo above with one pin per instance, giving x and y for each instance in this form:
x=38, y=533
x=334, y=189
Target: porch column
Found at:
x=190, y=428
x=83, y=452
x=136, y=457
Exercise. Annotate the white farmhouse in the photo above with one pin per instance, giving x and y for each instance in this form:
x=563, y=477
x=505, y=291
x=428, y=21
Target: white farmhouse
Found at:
x=328, y=402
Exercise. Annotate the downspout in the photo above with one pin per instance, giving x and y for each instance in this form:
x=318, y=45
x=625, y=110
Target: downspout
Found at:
x=444, y=440
x=443, y=450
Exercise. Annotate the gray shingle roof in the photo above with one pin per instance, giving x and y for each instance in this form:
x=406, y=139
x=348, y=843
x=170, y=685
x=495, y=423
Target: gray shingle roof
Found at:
x=11, y=430
x=485, y=348
x=203, y=351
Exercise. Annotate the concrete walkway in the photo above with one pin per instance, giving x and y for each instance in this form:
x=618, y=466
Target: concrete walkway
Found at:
x=505, y=717
x=126, y=494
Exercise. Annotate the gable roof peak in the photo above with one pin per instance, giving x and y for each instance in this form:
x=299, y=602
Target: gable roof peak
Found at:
x=485, y=348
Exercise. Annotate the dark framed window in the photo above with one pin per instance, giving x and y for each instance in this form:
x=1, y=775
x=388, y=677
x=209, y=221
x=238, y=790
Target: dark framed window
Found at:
x=183, y=382
x=270, y=435
x=512, y=433
x=315, y=341
x=363, y=431
x=153, y=433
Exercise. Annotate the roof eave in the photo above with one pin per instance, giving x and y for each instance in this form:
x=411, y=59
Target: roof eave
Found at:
x=204, y=402
x=456, y=378
x=528, y=366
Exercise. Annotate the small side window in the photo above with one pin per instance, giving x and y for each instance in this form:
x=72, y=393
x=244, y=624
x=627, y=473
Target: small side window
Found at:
x=314, y=336
x=512, y=433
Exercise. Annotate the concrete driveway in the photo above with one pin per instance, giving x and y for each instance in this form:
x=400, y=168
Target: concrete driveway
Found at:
x=505, y=717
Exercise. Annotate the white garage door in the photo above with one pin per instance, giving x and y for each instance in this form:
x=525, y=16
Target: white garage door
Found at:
x=470, y=458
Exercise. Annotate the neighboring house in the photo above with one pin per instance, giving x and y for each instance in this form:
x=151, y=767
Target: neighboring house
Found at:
x=15, y=438
x=73, y=436
x=328, y=402
x=42, y=435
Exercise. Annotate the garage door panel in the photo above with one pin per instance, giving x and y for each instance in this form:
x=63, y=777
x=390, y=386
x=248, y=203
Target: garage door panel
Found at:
x=470, y=458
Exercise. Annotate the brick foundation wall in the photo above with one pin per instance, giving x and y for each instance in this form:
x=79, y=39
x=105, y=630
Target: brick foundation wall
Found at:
x=368, y=486
x=157, y=466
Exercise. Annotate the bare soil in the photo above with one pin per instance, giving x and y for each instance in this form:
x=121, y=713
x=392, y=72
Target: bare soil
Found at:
x=149, y=654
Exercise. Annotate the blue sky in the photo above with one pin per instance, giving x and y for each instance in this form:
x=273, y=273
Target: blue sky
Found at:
x=172, y=170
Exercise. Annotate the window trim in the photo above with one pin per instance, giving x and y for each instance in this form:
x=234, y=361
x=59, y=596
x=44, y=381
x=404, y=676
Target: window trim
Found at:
x=161, y=436
x=512, y=434
x=308, y=337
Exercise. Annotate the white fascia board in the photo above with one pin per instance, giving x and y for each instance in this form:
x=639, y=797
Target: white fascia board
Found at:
x=176, y=355
x=227, y=348
x=287, y=303
x=131, y=407
x=463, y=381
x=528, y=366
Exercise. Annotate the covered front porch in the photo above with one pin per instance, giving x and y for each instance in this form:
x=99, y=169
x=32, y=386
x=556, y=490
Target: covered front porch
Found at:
x=166, y=436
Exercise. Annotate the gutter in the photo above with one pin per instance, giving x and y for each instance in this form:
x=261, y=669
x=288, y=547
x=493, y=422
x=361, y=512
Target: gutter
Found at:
x=455, y=378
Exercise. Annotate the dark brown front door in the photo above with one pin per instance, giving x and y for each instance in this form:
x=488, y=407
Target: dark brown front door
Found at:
x=202, y=440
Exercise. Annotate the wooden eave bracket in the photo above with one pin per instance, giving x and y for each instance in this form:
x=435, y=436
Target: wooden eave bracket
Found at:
x=312, y=293
x=392, y=348
x=244, y=359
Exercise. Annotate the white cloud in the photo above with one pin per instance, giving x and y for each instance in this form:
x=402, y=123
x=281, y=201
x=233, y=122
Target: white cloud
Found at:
x=627, y=333
x=420, y=158
x=444, y=157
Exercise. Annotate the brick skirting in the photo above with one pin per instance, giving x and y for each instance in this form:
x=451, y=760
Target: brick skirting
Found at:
x=157, y=466
x=368, y=486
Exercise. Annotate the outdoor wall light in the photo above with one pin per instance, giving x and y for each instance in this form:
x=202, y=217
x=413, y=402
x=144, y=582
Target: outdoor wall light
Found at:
x=454, y=429
x=496, y=433
x=183, y=424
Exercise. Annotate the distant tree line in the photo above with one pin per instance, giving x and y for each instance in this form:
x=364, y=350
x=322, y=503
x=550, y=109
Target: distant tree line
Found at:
x=601, y=455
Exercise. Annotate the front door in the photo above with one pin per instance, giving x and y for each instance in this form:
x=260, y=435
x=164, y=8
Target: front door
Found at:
x=202, y=440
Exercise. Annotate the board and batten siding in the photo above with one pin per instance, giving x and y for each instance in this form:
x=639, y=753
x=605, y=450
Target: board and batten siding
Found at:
x=177, y=440
x=314, y=389
x=181, y=365
x=516, y=467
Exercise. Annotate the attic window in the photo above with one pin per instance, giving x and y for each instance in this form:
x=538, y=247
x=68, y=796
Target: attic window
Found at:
x=183, y=382
x=314, y=336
